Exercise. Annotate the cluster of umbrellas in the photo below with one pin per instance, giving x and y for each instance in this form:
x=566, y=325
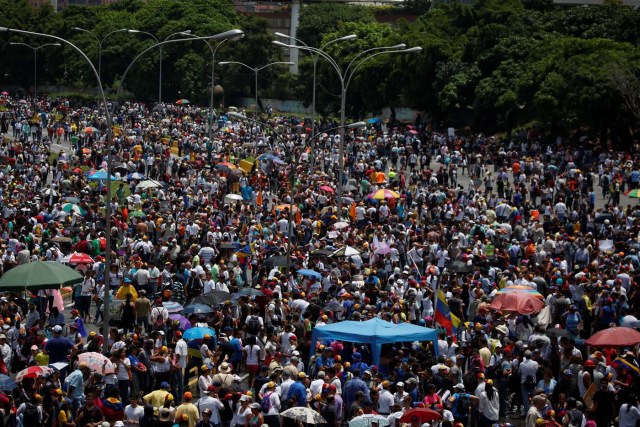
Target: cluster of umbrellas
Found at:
x=310, y=416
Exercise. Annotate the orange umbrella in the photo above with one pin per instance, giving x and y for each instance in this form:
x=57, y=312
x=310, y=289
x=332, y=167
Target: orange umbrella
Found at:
x=615, y=337
x=293, y=208
x=517, y=302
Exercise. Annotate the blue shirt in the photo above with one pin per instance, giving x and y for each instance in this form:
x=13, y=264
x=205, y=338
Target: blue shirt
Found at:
x=298, y=392
x=76, y=381
x=58, y=349
x=351, y=388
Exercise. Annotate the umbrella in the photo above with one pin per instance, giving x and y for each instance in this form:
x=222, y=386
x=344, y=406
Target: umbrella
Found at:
x=521, y=289
x=6, y=383
x=634, y=194
x=172, y=306
x=340, y=225
x=247, y=164
x=73, y=208
x=518, y=302
x=303, y=414
x=96, y=362
x=135, y=175
x=33, y=372
x=459, y=267
x=374, y=121
x=345, y=251
x=39, y=275
x=228, y=245
x=231, y=198
x=252, y=292
x=333, y=306
x=310, y=273
x=70, y=199
x=384, y=194
x=91, y=130
x=558, y=332
x=183, y=322
x=293, y=208
x=367, y=419
x=78, y=258
x=58, y=366
x=226, y=166
x=100, y=175
x=602, y=218
x=183, y=101
x=198, y=333
x=51, y=192
x=277, y=261
x=327, y=189
x=383, y=249
x=197, y=309
x=212, y=298
x=619, y=336
x=61, y=239
x=5, y=93
x=321, y=253
x=137, y=214
x=149, y=183
x=424, y=415
x=86, y=151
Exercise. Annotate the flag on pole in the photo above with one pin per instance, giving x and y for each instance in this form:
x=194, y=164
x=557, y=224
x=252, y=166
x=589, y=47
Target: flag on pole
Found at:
x=444, y=316
x=259, y=198
x=352, y=211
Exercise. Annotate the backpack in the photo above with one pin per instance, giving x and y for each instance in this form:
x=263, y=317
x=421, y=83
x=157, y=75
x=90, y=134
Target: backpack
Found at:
x=265, y=404
x=253, y=325
x=464, y=404
x=160, y=318
x=31, y=415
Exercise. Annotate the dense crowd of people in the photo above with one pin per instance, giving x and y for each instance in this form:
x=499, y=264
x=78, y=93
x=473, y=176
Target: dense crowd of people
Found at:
x=224, y=260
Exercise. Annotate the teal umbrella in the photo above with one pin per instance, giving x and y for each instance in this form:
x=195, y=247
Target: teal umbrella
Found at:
x=39, y=275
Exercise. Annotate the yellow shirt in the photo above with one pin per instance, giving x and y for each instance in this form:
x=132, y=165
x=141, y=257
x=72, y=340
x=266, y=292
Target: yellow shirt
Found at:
x=156, y=398
x=42, y=359
x=125, y=290
x=63, y=417
x=192, y=412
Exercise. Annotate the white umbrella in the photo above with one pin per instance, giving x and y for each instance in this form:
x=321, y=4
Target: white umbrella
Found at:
x=229, y=198
x=304, y=414
x=345, y=251
x=51, y=192
x=149, y=183
x=368, y=419
x=340, y=225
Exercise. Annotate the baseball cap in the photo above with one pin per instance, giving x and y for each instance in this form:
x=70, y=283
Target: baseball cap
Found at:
x=57, y=329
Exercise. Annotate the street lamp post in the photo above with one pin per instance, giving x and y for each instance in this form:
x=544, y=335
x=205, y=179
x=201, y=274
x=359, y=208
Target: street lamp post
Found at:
x=315, y=58
x=255, y=70
x=35, y=61
x=345, y=78
x=101, y=44
x=214, y=50
x=294, y=164
x=107, y=261
x=159, y=43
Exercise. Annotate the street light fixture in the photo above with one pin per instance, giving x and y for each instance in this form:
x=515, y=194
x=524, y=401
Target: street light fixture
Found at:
x=294, y=165
x=35, y=62
x=345, y=78
x=315, y=58
x=213, y=76
x=255, y=70
x=101, y=43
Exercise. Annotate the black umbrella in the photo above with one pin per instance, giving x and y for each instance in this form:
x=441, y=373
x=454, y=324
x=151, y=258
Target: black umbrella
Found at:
x=459, y=267
x=227, y=246
x=321, y=252
x=277, y=261
x=600, y=219
x=211, y=298
x=333, y=306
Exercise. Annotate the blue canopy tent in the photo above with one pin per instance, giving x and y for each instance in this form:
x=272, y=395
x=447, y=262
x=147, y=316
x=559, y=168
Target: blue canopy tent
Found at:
x=374, y=332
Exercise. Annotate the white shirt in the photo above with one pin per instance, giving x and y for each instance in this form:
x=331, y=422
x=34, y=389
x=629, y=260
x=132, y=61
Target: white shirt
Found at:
x=490, y=408
x=385, y=402
x=208, y=402
x=181, y=351
x=123, y=368
x=133, y=414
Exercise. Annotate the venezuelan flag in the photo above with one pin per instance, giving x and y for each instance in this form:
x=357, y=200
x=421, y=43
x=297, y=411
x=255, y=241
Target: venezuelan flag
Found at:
x=443, y=315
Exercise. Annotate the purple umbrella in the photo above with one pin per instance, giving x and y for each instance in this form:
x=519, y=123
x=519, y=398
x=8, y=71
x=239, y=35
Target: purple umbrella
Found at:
x=184, y=323
x=383, y=249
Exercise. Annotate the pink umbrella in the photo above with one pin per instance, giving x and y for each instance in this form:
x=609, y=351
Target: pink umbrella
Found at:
x=79, y=258
x=33, y=372
x=327, y=189
x=383, y=249
x=517, y=302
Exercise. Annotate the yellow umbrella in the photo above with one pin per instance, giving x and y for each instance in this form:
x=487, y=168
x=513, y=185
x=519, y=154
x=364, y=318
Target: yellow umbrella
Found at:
x=247, y=164
x=384, y=194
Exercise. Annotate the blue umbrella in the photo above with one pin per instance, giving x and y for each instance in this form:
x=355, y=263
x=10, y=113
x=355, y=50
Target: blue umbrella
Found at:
x=172, y=306
x=6, y=383
x=197, y=309
x=374, y=121
x=198, y=333
x=100, y=175
x=310, y=273
x=135, y=175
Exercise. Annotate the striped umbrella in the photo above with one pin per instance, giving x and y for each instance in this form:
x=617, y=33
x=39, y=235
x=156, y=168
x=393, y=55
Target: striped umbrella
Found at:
x=521, y=289
x=384, y=194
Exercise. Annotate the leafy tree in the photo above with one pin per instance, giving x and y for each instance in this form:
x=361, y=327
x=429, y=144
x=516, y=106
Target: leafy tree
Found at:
x=318, y=19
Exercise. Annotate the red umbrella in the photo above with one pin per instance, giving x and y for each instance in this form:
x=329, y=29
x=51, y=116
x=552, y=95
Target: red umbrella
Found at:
x=33, y=372
x=80, y=258
x=518, y=302
x=615, y=337
x=77, y=171
x=327, y=189
x=423, y=415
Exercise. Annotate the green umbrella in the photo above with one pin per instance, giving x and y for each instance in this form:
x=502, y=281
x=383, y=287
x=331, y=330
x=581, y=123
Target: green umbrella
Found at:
x=38, y=275
x=136, y=214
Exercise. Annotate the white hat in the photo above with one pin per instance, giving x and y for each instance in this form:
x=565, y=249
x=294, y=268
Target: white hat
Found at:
x=57, y=329
x=118, y=424
x=400, y=384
